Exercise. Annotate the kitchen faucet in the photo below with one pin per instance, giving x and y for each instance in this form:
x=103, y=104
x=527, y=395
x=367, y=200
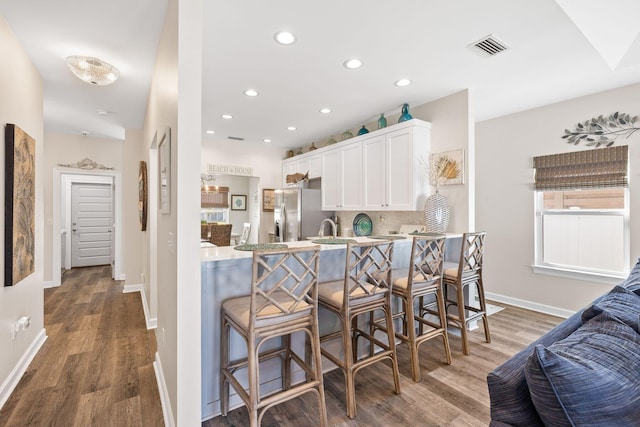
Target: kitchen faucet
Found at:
x=334, y=228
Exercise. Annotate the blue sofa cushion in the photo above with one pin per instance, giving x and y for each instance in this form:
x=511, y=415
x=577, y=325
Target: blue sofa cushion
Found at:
x=590, y=378
x=621, y=303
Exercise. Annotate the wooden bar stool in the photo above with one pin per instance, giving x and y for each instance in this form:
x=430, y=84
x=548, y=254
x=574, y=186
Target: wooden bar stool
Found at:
x=366, y=287
x=423, y=280
x=467, y=272
x=283, y=300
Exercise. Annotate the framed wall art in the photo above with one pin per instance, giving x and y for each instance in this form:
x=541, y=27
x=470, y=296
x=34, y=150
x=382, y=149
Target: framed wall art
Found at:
x=142, y=195
x=19, y=205
x=268, y=199
x=164, y=172
x=238, y=202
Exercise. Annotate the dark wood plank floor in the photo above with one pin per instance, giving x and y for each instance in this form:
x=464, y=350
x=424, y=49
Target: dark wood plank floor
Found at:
x=96, y=367
x=448, y=395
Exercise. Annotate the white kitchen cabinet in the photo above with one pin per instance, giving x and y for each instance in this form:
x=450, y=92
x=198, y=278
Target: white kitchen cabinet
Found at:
x=393, y=179
x=342, y=178
x=372, y=172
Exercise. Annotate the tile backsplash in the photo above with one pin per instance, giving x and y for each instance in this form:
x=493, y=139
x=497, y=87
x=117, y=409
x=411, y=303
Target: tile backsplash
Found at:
x=384, y=222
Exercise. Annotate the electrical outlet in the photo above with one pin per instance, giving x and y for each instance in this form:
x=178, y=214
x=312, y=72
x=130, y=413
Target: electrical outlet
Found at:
x=142, y=278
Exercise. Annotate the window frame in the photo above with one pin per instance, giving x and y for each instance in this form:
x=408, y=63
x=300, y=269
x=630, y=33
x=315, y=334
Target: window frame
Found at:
x=573, y=272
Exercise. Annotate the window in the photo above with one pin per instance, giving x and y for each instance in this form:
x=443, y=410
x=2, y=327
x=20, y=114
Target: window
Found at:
x=582, y=212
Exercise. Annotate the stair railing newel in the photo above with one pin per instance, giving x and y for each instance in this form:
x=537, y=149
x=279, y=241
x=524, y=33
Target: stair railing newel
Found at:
x=437, y=212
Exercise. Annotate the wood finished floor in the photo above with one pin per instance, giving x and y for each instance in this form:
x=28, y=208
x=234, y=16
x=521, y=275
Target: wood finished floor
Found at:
x=96, y=367
x=448, y=395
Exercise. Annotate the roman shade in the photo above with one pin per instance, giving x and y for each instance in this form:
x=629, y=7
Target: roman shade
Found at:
x=214, y=197
x=596, y=168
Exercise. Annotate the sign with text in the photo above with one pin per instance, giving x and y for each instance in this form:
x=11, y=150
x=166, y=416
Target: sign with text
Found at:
x=230, y=170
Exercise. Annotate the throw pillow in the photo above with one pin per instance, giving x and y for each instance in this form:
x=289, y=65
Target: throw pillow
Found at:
x=591, y=378
x=620, y=303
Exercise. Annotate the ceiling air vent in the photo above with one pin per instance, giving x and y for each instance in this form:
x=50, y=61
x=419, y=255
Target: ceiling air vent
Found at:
x=236, y=138
x=489, y=45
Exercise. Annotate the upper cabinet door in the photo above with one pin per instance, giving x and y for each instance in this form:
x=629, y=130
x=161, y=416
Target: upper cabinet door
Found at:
x=331, y=191
x=374, y=183
x=351, y=163
x=400, y=167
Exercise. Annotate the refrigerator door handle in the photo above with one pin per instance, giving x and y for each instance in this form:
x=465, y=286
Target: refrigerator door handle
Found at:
x=285, y=224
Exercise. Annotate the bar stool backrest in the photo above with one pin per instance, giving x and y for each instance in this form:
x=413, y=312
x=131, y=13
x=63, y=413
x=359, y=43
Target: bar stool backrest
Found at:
x=221, y=234
x=368, y=269
x=471, y=254
x=204, y=231
x=427, y=257
x=284, y=283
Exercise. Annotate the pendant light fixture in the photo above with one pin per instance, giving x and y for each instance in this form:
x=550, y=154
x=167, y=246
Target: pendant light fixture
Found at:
x=93, y=70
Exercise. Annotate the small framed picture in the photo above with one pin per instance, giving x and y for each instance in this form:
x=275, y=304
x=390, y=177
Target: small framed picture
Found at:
x=238, y=202
x=268, y=199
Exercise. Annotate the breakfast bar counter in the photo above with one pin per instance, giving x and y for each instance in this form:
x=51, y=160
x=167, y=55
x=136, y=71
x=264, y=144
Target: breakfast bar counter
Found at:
x=226, y=273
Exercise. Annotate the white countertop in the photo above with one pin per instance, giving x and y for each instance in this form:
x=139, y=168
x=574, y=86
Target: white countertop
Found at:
x=222, y=253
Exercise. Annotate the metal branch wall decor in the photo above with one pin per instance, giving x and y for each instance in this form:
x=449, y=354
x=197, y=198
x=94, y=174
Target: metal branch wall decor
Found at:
x=602, y=130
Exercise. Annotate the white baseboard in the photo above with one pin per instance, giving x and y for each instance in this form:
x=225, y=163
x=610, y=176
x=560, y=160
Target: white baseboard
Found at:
x=122, y=277
x=18, y=371
x=151, y=322
x=51, y=284
x=164, y=393
x=534, y=306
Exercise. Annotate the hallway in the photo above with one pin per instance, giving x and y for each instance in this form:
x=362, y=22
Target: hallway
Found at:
x=96, y=367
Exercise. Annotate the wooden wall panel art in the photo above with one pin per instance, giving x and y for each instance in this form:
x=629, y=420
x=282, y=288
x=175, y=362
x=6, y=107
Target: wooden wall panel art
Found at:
x=19, y=205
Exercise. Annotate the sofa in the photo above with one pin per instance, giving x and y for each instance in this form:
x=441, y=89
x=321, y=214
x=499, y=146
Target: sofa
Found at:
x=584, y=372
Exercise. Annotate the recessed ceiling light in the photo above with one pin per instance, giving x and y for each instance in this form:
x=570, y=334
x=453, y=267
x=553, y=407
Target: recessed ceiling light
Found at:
x=251, y=92
x=266, y=140
x=211, y=132
x=284, y=37
x=352, y=63
x=403, y=82
x=291, y=128
x=103, y=113
x=325, y=110
x=227, y=116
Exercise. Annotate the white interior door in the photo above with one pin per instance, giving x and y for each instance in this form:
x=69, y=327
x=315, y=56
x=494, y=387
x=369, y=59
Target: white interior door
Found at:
x=91, y=224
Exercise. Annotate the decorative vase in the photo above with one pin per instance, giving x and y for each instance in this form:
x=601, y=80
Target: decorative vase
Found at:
x=405, y=114
x=436, y=213
x=382, y=121
x=363, y=130
x=346, y=135
x=299, y=151
x=313, y=146
x=331, y=141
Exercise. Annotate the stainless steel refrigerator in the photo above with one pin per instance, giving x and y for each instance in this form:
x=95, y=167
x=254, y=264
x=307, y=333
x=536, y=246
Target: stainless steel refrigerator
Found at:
x=297, y=214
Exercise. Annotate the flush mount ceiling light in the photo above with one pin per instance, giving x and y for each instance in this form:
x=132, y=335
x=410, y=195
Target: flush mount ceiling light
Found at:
x=325, y=110
x=291, y=128
x=93, y=70
x=352, y=64
x=284, y=37
x=266, y=140
x=403, y=82
x=211, y=132
x=251, y=92
x=227, y=116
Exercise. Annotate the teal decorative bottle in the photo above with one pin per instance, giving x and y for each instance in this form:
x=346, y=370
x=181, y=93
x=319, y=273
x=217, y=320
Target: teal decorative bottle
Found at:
x=382, y=121
x=363, y=130
x=405, y=114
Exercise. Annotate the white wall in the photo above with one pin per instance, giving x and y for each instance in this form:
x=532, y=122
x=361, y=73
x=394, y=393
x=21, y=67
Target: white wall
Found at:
x=66, y=149
x=505, y=199
x=132, y=153
x=21, y=104
x=171, y=245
